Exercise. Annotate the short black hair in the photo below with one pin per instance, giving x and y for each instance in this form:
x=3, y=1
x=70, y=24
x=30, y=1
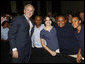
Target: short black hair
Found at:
x=4, y=23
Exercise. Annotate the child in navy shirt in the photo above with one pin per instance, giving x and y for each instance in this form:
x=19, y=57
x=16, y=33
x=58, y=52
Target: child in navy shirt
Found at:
x=79, y=33
x=67, y=42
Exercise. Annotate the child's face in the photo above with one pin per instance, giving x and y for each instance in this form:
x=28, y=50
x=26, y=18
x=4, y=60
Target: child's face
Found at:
x=48, y=21
x=75, y=22
x=6, y=25
x=38, y=21
x=61, y=21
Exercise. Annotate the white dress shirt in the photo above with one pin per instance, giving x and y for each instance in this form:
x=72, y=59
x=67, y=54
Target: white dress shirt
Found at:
x=30, y=23
x=36, y=37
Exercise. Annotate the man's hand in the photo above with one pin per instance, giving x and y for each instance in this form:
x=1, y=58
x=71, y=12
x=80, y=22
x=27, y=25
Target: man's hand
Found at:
x=15, y=54
x=79, y=57
x=53, y=53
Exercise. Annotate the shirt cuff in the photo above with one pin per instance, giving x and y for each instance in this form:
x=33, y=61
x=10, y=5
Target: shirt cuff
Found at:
x=57, y=51
x=14, y=49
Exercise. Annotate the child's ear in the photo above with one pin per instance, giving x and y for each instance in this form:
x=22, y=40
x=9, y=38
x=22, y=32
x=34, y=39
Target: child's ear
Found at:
x=79, y=21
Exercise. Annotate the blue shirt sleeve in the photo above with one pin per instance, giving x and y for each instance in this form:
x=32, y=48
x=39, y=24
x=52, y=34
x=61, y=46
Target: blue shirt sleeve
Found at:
x=42, y=35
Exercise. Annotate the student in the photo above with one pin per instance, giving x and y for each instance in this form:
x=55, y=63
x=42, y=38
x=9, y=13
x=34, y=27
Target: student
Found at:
x=67, y=42
x=4, y=30
x=5, y=47
x=49, y=34
x=36, y=43
x=79, y=32
x=81, y=16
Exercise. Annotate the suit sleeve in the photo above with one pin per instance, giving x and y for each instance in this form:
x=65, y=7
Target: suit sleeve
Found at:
x=12, y=33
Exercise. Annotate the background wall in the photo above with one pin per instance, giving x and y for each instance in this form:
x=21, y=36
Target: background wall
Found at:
x=43, y=7
x=74, y=6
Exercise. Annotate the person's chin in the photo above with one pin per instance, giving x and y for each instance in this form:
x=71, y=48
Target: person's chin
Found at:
x=48, y=25
x=29, y=16
x=61, y=26
x=75, y=27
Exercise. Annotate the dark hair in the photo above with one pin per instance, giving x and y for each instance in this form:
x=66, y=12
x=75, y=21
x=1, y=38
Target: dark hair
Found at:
x=4, y=23
x=46, y=17
x=38, y=16
x=50, y=19
x=61, y=16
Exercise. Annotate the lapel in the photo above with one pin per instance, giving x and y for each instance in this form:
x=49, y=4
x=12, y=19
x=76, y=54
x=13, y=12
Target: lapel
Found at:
x=32, y=30
x=25, y=21
x=27, y=24
x=30, y=20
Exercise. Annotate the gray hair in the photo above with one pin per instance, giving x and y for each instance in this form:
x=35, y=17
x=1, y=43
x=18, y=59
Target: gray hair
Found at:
x=30, y=6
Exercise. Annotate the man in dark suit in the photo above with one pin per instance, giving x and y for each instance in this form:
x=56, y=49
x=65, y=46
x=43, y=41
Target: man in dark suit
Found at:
x=20, y=36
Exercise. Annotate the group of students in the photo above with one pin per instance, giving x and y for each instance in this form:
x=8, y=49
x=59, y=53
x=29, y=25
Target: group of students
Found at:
x=52, y=40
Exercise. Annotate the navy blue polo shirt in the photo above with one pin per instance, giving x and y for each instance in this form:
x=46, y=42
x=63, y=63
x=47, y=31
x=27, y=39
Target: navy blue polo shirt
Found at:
x=80, y=38
x=51, y=38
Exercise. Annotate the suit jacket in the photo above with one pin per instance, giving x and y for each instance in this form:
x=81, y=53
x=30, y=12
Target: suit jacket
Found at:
x=19, y=36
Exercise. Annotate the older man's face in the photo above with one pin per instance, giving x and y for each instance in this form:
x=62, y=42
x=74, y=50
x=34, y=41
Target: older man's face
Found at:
x=29, y=11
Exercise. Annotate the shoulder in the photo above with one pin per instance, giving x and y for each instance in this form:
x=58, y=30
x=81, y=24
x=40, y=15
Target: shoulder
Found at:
x=54, y=28
x=82, y=26
x=18, y=19
x=42, y=31
x=7, y=28
x=42, y=25
x=2, y=29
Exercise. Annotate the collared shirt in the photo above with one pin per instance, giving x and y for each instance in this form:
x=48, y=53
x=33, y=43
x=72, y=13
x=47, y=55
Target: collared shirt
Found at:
x=36, y=37
x=4, y=33
x=30, y=23
x=51, y=38
x=80, y=38
x=68, y=43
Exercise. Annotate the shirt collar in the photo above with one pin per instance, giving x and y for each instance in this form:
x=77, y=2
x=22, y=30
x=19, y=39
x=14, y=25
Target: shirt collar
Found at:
x=40, y=26
x=26, y=17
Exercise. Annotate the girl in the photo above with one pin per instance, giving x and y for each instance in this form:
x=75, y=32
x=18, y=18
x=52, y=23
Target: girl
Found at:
x=76, y=23
x=49, y=35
